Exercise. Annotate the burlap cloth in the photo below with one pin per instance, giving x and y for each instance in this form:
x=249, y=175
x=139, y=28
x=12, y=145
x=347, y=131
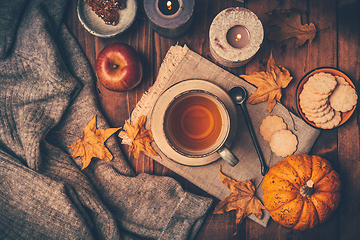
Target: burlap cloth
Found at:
x=181, y=63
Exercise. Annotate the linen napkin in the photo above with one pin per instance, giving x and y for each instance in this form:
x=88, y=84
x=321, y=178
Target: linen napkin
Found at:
x=47, y=92
x=181, y=63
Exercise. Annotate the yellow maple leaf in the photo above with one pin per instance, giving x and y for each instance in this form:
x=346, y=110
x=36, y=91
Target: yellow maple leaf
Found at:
x=269, y=83
x=92, y=144
x=141, y=138
x=242, y=199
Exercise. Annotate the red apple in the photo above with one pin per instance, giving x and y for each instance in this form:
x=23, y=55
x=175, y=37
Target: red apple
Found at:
x=118, y=67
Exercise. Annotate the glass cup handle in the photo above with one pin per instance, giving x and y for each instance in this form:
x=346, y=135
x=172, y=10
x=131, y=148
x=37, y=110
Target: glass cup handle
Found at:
x=228, y=156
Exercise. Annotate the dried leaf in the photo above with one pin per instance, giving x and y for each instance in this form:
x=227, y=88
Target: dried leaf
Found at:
x=269, y=83
x=140, y=137
x=242, y=199
x=290, y=26
x=92, y=144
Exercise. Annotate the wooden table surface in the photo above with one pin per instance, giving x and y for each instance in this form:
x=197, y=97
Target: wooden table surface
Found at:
x=336, y=45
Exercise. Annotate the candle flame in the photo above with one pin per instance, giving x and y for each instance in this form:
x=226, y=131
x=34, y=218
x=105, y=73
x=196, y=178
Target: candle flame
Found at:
x=168, y=4
x=238, y=37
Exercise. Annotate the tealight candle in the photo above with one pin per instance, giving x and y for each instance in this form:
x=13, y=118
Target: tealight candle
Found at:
x=238, y=36
x=170, y=18
x=168, y=7
x=235, y=36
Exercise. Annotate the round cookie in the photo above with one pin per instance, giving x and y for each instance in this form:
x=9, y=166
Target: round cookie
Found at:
x=308, y=103
x=327, y=117
x=319, y=113
x=331, y=123
x=315, y=110
x=341, y=80
x=344, y=98
x=271, y=124
x=321, y=83
x=283, y=143
x=306, y=93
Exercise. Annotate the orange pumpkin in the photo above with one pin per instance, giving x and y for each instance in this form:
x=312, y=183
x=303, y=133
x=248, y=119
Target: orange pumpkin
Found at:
x=301, y=191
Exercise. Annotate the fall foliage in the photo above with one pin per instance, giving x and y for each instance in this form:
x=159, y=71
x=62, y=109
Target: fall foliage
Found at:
x=140, y=137
x=92, y=144
x=290, y=26
x=269, y=83
x=242, y=199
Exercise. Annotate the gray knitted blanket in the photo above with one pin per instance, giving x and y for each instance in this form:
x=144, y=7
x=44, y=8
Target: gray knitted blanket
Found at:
x=47, y=87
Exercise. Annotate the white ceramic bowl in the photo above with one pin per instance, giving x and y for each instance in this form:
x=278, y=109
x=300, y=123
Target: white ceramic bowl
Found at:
x=96, y=26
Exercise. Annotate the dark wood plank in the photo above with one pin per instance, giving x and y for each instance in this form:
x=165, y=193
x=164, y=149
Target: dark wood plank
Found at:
x=336, y=45
x=212, y=229
x=321, y=52
x=349, y=154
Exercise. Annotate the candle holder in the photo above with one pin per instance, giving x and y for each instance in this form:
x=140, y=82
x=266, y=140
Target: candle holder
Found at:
x=235, y=35
x=169, y=18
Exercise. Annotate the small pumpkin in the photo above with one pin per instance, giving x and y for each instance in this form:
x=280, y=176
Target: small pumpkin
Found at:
x=301, y=191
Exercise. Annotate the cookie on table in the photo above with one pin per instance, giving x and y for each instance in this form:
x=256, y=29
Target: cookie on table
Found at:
x=271, y=124
x=283, y=143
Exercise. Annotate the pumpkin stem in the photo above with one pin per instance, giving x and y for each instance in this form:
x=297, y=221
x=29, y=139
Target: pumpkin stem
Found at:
x=307, y=189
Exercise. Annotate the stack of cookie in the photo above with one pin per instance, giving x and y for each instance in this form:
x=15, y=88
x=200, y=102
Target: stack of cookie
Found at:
x=324, y=97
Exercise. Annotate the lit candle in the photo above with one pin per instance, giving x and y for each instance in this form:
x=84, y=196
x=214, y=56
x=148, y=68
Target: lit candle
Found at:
x=238, y=36
x=235, y=36
x=168, y=7
x=170, y=18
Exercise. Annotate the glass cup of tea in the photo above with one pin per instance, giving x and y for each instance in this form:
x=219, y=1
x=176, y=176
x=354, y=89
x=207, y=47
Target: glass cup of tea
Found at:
x=197, y=124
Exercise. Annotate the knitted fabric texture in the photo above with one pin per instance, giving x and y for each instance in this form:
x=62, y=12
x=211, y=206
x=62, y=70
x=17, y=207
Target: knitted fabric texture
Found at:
x=47, y=86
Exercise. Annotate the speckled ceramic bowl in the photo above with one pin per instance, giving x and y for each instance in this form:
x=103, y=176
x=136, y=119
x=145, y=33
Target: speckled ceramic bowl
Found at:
x=96, y=26
x=344, y=116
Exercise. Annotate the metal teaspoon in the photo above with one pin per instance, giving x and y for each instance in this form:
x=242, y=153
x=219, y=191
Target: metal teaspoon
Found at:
x=239, y=95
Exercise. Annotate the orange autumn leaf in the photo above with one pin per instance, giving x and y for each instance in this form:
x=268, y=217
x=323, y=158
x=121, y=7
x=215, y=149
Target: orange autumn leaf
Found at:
x=140, y=137
x=92, y=144
x=242, y=199
x=269, y=83
x=290, y=26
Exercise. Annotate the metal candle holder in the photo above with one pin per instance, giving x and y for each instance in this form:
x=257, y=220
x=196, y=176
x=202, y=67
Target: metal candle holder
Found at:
x=173, y=25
